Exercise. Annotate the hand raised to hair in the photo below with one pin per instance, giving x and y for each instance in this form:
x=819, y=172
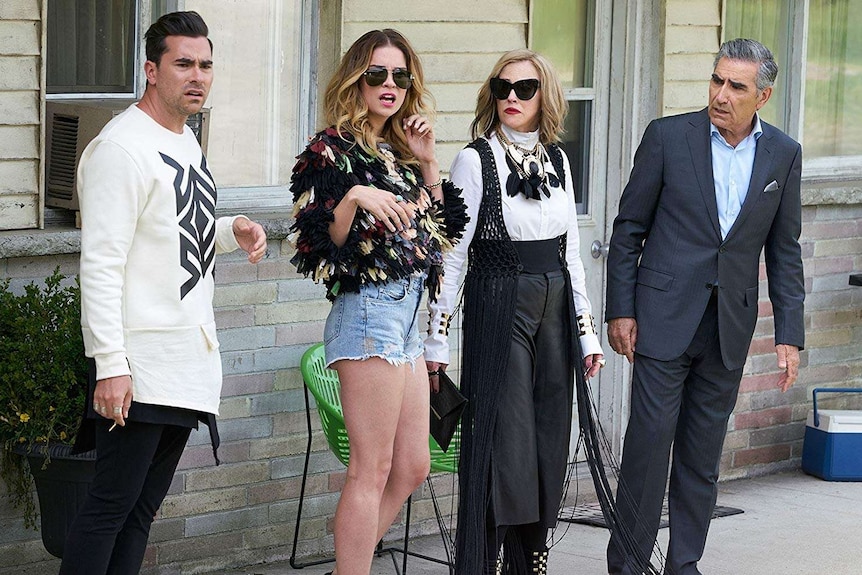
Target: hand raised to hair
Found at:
x=420, y=138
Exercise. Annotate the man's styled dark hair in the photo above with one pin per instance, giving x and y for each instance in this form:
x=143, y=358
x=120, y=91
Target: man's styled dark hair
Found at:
x=189, y=24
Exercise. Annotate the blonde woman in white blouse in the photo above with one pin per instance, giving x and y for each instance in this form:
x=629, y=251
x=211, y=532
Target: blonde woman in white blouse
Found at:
x=527, y=321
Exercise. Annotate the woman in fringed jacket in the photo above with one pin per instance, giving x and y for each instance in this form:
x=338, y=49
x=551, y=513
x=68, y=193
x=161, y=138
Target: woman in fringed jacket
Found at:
x=527, y=320
x=373, y=219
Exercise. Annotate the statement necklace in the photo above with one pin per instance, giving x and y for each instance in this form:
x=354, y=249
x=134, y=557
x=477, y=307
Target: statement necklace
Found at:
x=527, y=175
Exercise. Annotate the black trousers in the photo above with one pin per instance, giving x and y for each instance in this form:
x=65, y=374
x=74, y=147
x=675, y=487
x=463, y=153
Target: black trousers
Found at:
x=531, y=435
x=685, y=402
x=134, y=469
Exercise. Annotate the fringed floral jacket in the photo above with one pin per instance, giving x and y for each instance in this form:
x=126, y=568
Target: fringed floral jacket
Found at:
x=324, y=173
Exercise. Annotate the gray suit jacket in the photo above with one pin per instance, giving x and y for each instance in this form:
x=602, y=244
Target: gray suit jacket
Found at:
x=666, y=251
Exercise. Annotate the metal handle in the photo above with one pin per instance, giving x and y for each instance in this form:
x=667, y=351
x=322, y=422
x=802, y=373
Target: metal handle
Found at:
x=829, y=390
x=599, y=250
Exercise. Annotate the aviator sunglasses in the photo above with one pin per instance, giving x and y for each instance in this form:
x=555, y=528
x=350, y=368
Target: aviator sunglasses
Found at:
x=524, y=89
x=376, y=75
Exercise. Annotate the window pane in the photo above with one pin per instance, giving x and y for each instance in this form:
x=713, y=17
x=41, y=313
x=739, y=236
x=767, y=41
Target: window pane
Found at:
x=576, y=145
x=562, y=31
x=159, y=8
x=768, y=22
x=255, y=99
x=833, y=91
x=91, y=46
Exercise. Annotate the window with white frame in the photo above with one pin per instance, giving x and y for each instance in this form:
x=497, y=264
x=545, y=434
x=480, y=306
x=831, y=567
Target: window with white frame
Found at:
x=819, y=52
x=261, y=102
x=564, y=32
x=91, y=47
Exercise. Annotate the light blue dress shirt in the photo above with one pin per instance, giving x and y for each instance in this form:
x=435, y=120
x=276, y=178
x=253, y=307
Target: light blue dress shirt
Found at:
x=731, y=173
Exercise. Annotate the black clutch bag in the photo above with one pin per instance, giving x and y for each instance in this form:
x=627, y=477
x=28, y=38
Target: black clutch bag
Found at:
x=446, y=408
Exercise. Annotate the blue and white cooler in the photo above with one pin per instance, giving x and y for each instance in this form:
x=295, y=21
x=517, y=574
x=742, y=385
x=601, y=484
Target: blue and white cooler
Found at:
x=832, y=449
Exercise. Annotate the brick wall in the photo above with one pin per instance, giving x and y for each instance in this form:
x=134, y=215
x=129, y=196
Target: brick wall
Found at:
x=766, y=430
x=243, y=511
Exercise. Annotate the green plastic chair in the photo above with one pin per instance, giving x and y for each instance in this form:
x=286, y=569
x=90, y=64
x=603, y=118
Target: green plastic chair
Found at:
x=324, y=385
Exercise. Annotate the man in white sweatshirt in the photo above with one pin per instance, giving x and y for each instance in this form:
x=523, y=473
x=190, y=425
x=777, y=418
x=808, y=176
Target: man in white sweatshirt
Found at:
x=149, y=236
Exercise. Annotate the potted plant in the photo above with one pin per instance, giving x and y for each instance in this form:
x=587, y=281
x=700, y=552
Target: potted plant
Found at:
x=43, y=388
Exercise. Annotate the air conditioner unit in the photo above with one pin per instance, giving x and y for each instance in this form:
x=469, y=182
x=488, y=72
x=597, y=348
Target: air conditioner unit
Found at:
x=70, y=126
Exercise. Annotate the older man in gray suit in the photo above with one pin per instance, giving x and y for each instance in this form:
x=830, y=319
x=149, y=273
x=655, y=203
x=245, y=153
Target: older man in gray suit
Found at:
x=708, y=192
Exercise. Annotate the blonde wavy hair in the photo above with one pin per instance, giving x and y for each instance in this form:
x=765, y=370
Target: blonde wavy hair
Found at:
x=346, y=110
x=552, y=109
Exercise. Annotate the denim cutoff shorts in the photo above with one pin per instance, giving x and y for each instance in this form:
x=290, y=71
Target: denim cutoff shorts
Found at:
x=378, y=321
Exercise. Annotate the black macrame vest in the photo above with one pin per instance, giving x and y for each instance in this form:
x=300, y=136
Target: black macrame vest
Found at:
x=490, y=296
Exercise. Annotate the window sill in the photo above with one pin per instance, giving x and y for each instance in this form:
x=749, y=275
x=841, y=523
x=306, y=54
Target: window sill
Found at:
x=832, y=181
x=61, y=239
x=823, y=193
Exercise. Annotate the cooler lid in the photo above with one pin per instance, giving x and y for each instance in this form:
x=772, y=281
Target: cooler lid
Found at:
x=837, y=420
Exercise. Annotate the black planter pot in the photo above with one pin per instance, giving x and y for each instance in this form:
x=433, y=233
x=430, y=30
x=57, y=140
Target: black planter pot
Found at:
x=62, y=485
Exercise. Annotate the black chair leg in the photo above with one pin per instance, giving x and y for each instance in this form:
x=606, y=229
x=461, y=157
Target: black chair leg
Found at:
x=407, y=534
x=444, y=533
x=293, y=562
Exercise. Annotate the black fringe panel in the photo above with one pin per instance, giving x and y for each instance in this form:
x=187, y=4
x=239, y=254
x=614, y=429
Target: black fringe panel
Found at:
x=490, y=296
x=489, y=308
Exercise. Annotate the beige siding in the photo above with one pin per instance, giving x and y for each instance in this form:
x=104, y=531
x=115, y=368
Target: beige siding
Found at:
x=458, y=43
x=692, y=32
x=20, y=9
x=19, y=176
x=19, y=211
x=18, y=142
x=398, y=11
x=19, y=37
x=20, y=113
x=19, y=73
x=20, y=107
x=693, y=12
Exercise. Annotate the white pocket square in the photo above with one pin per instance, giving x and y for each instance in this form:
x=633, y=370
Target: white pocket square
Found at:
x=771, y=187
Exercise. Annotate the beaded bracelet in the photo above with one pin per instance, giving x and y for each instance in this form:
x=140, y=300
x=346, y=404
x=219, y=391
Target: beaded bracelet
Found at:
x=436, y=184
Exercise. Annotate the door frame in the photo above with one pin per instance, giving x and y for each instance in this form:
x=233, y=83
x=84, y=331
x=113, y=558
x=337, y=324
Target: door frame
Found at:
x=634, y=99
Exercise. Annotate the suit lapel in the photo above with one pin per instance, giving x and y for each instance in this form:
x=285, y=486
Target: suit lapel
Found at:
x=759, y=173
x=701, y=157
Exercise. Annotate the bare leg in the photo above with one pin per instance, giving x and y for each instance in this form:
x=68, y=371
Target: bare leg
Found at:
x=411, y=458
x=377, y=409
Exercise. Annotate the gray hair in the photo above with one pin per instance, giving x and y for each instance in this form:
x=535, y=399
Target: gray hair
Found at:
x=751, y=51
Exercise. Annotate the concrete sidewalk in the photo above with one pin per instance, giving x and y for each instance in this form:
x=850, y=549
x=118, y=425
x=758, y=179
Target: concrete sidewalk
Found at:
x=792, y=524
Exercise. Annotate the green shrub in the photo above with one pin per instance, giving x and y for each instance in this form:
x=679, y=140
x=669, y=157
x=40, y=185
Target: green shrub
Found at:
x=43, y=376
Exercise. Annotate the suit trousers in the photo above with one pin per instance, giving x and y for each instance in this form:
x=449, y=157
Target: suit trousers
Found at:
x=531, y=436
x=686, y=403
x=135, y=465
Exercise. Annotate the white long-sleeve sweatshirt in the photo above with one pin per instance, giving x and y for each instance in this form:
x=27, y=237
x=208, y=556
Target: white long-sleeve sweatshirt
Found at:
x=148, y=243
